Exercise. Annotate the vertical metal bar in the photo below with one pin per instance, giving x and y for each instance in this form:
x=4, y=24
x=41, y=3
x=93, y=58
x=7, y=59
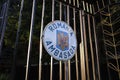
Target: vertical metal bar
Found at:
x=60, y=62
x=85, y=46
x=60, y=10
x=86, y=52
x=91, y=47
x=87, y=7
x=30, y=39
x=51, y=68
x=4, y=25
x=40, y=49
x=51, y=63
x=69, y=68
x=60, y=70
x=96, y=46
x=16, y=42
x=91, y=11
x=78, y=3
x=66, y=70
x=69, y=1
x=82, y=53
x=83, y=5
x=53, y=3
x=76, y=59
x=103, y=3
x=68, y=14
x=66, y=62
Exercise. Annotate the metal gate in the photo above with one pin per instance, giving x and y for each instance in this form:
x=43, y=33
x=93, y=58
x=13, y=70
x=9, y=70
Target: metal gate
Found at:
x=80, y=16
x=76, y=13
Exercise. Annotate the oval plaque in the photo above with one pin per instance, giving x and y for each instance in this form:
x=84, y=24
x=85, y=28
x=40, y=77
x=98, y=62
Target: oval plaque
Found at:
x=59, y=40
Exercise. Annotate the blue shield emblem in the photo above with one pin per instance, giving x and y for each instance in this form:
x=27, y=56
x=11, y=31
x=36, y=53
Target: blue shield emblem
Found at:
x=62, y=40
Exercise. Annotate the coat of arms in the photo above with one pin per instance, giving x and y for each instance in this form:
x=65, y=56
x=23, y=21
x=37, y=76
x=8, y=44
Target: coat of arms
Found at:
x=62, y=40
